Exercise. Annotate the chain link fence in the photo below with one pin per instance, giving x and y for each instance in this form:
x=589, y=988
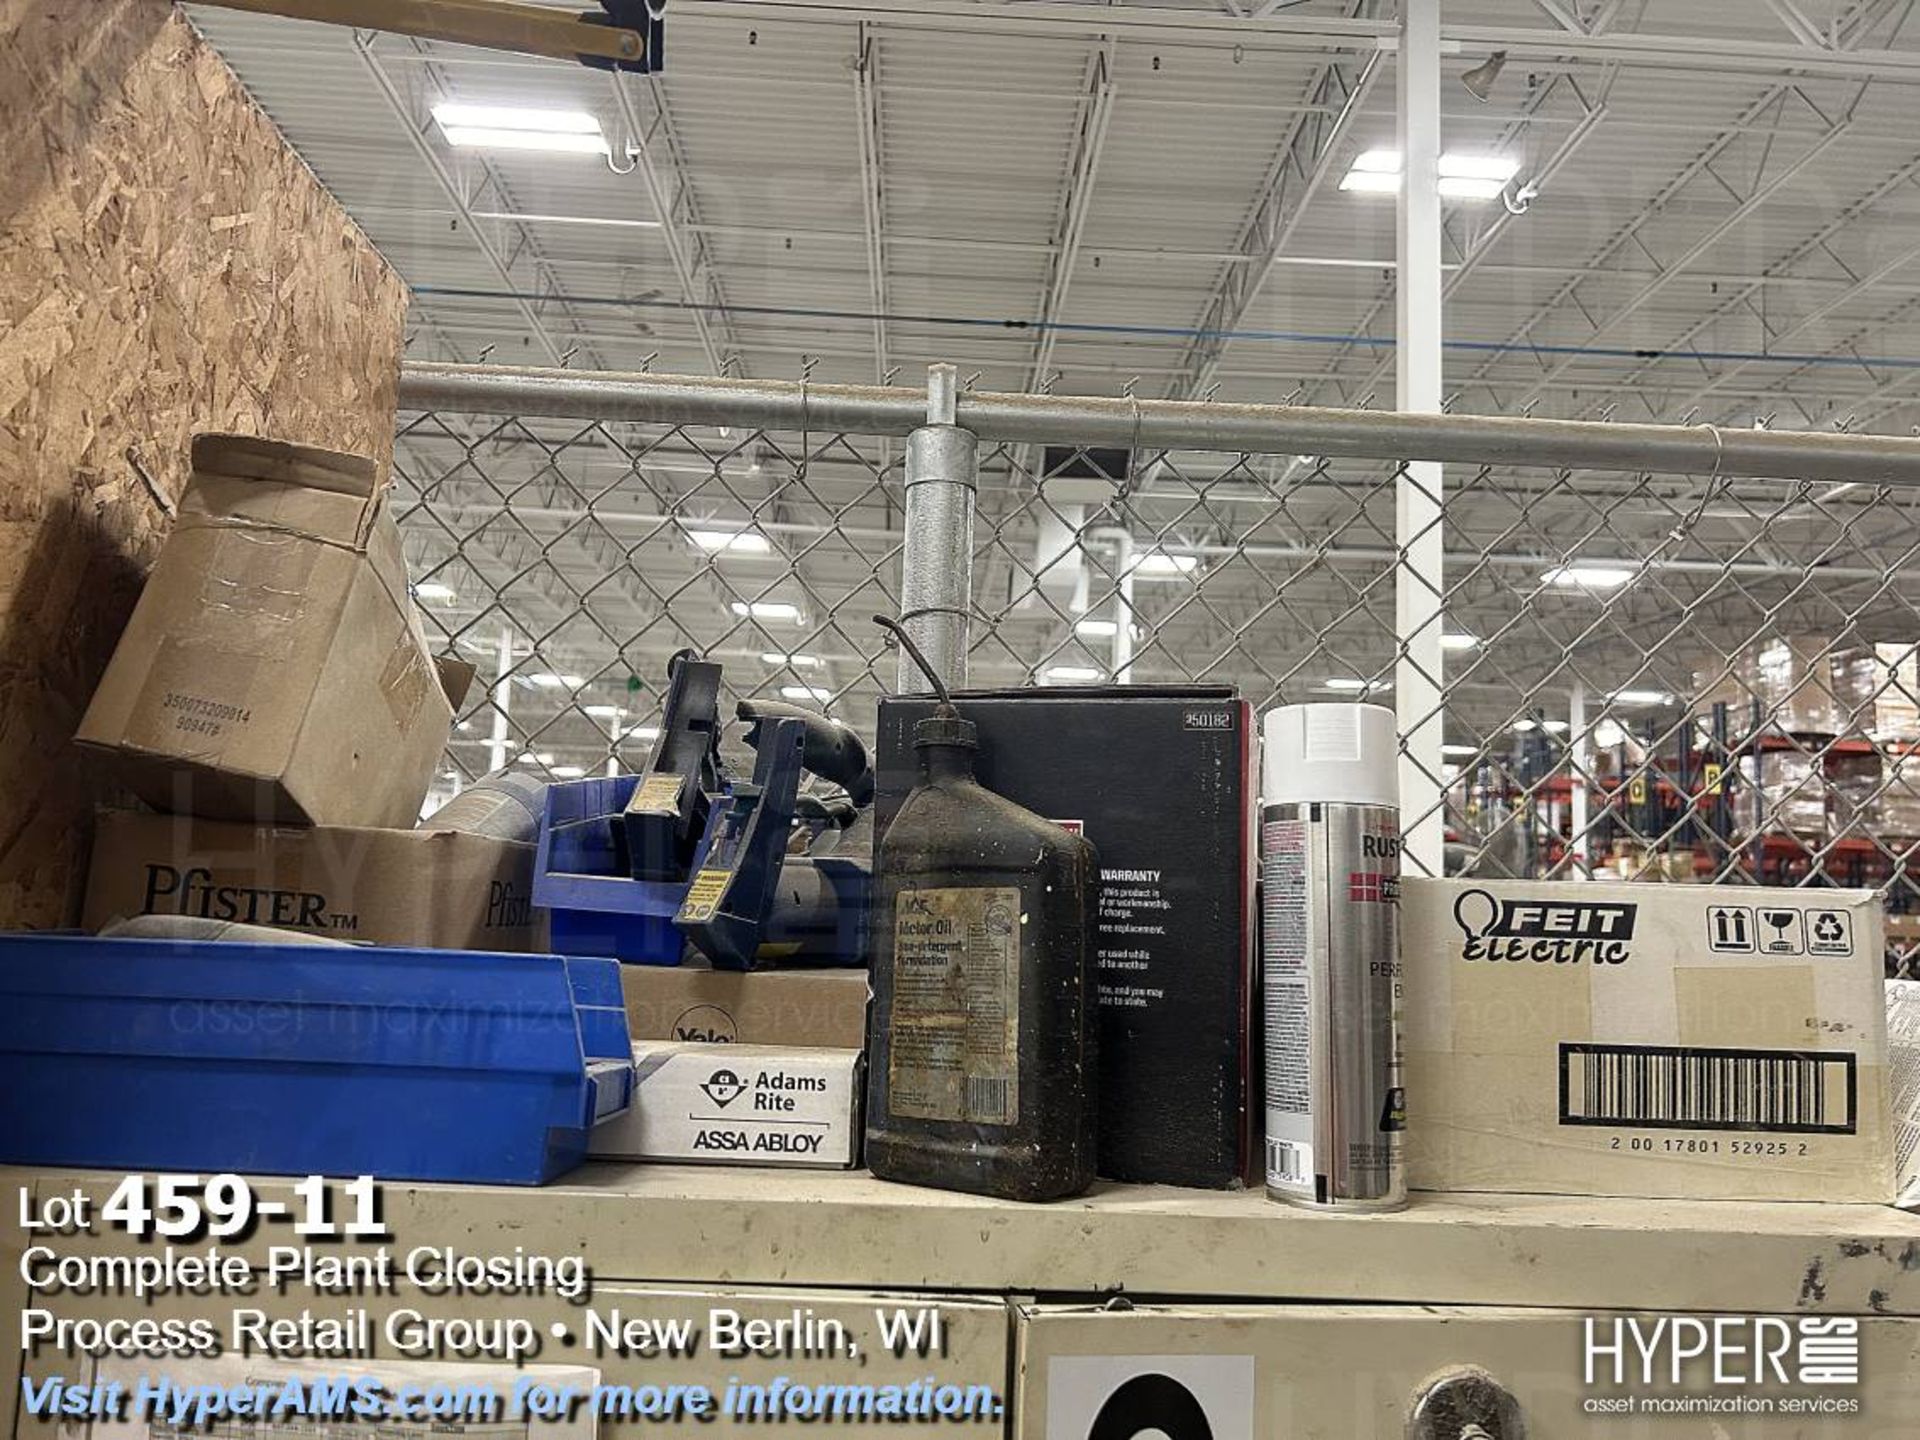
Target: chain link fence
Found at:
x=1673, y=654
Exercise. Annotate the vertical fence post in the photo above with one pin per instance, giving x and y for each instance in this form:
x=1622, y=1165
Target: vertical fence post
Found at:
x=936, y=558
x=1418, y=583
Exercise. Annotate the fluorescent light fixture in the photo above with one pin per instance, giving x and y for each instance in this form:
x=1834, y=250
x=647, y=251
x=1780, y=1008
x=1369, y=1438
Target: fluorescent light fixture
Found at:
x=799, y=662
x=464, y=726
x=514, y=127
x=432, y=590
x=1346, y=684
x=1371, y=182
x=1552, y=727
x=516, y=117
x=643, y=732
x=1583, y=576
x=527, y=757
x=567, y=772
x=740, y=542
x=1460, y=641
x=1098, y=628
x=1159, y=565
x=1073, y=674
x=1463, y=751
x=1641, y=697
x=1457, y=166
x=547, y=680
x=766, y=610
x=604, y=712
x=805, y=692
x=471, y=137
x=1468, y=187
x=1462, y=176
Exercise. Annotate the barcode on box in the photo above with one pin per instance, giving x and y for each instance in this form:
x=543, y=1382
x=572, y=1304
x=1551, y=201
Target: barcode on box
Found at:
x=1677, y=1087
x=1289, y=1163
x=989, y=1100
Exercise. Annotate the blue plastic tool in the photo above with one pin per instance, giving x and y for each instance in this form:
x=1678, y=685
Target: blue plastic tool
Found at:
x=215, y=1056
x=580, y=876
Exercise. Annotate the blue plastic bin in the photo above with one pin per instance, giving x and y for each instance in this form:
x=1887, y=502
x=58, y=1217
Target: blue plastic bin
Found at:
x=211, y=1056
x=593, y=906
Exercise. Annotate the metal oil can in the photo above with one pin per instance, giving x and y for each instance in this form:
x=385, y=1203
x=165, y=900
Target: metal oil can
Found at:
x=1330, y=875
x=981, y=1071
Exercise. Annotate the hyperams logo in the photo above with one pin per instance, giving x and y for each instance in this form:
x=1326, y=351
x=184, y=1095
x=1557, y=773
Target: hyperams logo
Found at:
x=1547, y=932
x=1722, y=1364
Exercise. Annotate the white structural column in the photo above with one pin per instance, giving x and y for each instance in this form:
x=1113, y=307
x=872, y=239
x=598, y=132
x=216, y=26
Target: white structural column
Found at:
x=1581, y=739
x=1418, y=585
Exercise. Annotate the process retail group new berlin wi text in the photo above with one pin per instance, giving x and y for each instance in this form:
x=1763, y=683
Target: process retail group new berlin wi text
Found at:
x=372, y=1300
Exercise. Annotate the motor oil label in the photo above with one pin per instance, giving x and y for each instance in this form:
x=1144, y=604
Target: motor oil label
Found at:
x=955, y=1035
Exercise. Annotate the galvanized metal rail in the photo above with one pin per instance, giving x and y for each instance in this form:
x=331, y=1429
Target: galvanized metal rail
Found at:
x=1169, y=424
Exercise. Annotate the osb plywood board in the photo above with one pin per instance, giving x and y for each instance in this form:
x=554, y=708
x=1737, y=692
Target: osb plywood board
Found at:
x=167, y=265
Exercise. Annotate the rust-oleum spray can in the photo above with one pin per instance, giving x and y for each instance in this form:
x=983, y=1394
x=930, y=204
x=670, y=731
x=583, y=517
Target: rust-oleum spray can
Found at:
x=1330, y=873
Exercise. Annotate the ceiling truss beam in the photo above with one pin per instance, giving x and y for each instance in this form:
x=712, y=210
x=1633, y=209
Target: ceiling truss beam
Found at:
x=1083, y=166
x=657, y=155
x=873, y=198
x=1335, y=97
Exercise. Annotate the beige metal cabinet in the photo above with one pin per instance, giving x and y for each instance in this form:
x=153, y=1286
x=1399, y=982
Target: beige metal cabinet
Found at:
x=1338, y=1319
x=1301, y=1372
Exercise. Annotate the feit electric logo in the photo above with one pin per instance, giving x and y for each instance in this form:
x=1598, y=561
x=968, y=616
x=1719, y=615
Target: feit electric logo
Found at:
x=1545, y=932
x=1722, y=1364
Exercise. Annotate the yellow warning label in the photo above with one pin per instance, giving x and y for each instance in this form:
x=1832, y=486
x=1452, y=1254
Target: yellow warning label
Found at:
x=703, y=897
x=1637, y=790
x=1711, y=773
x=657, y=792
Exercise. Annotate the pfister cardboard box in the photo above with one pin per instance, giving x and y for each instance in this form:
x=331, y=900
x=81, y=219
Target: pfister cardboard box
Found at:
x=1160, y=779
x=274, y=670
x=1436, y=1372
x=825, y=1008
x=433, y=889
x=738, y=1105
x=1704, y=1042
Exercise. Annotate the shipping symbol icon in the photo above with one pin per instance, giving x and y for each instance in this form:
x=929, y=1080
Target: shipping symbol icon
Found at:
x=1829, y=932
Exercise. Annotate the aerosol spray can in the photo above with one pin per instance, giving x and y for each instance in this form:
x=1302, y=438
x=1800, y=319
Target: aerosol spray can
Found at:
x=1330, y=872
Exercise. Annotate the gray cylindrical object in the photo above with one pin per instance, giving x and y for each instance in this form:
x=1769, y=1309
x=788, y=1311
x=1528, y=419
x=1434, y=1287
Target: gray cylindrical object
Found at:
x=1169, y=424
x=506, y=805
x=936, y=560
x=1330, y=880
x=194, y=927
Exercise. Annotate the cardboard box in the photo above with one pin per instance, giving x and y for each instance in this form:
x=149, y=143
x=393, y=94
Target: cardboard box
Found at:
x=441, y=889
x=738, y=1105
x=1359, y=1372
x=809, y=1008
x=1706, y=1042
x=274, y=670
x=1802, y=684
x=1160, y=779
x=1890, y=675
